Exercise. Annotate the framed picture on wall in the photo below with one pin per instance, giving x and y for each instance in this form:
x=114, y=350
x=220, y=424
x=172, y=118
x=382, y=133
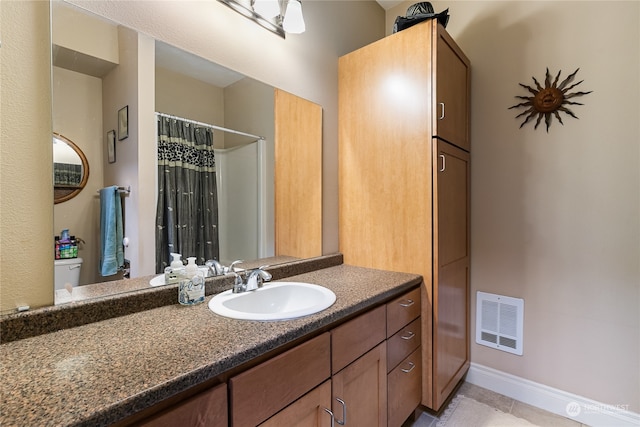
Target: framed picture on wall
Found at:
x=123, y=123
x=111, y=146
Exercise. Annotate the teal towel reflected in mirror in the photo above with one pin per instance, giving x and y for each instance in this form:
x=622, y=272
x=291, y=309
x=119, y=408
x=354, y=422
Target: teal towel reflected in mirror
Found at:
x=111, y=233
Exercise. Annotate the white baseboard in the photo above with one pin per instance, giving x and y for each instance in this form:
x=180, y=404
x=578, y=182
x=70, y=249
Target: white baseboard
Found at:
x=550, y=399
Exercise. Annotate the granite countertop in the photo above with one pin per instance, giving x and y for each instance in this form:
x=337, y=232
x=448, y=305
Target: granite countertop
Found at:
x=99, y=373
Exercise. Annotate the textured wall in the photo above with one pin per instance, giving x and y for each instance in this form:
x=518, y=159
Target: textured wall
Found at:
x=26, y=193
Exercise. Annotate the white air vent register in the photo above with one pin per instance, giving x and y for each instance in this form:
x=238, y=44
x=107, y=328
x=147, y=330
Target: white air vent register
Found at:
x=499, y=322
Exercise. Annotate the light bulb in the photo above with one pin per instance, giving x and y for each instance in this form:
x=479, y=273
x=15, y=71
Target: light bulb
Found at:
x=267, y=8
x=293, y=20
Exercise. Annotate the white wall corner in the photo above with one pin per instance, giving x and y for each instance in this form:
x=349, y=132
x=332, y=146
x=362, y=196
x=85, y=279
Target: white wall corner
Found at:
x=569, y=405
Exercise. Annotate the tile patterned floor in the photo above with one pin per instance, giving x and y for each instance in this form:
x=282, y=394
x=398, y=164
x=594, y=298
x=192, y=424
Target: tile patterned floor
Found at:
x=504, y=404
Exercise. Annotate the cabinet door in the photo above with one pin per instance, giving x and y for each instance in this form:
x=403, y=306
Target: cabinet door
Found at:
x=360, y=390
x=311, y=410
x=451, y=272
x=452, y=82
x=404, y=389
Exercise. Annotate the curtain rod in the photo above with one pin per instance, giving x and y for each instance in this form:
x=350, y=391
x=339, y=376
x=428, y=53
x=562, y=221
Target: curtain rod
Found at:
x=237, y=132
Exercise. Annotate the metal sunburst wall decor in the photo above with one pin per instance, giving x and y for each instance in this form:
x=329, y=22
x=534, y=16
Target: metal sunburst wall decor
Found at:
x=549, y=100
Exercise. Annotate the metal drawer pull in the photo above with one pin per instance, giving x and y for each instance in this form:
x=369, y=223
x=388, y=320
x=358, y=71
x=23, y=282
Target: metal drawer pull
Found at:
x=409, y=303
x=331, y=415
x=408, y=336
x=444, y=163
x=411, y=368
x=441, y=116
x=344, y=412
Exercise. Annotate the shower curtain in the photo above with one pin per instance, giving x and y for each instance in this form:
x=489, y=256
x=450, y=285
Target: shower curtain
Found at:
x=187, y=211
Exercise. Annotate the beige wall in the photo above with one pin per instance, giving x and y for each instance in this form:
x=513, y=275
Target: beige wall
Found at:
x=555, y=216
x=26, y=193
x=77, y=114
x=183, y=96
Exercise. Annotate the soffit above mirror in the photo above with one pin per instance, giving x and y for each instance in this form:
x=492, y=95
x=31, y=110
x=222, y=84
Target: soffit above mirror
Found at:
x=182, y=62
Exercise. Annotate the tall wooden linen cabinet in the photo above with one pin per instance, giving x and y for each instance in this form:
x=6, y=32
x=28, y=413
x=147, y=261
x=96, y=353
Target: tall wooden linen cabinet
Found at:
x=404, y=181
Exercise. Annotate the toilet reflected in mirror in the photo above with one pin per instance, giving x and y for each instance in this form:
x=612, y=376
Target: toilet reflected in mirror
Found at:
x=67, y=273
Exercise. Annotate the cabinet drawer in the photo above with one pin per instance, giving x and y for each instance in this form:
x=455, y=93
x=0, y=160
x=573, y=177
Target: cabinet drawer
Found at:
x=356, y=337
x=207, y=409
x=404, y=389
x=402, y=310
x=400, y=345
x=263, y=390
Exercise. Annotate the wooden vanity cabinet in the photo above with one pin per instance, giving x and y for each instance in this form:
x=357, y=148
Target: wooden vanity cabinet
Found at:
x=403, y=109
x=365, y=371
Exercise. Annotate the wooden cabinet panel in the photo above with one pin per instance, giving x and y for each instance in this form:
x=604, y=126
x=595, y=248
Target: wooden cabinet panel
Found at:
x=452, y=82
x=362, y=386
x=260, y=392
x=402, y=310
x=298, y=176
x=356, y=337
x=384, y=151
x=403, y=343
x=207, y=409
x=404, y=389
x=308, y=411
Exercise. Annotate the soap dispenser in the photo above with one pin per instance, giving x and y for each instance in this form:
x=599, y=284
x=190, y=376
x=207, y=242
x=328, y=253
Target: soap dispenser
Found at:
x=172, y=273
x=191, y=288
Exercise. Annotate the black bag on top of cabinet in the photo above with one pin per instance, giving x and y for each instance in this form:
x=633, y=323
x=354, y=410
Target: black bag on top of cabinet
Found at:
x=417, y=13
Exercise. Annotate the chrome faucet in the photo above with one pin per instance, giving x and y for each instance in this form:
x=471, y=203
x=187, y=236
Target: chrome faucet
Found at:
x=253, y=279
x=217, y=269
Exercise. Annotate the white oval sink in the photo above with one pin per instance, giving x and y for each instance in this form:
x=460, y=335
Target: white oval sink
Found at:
x=274, y=301
x=159, y=279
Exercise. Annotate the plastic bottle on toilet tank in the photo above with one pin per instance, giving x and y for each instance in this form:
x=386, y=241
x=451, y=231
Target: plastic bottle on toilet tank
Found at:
x=172, y=273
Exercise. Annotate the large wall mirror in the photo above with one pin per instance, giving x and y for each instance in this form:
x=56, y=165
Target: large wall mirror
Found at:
x=98, y=69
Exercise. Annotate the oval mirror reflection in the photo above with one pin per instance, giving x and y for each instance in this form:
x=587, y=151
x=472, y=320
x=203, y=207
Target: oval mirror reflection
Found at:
x=70, y=169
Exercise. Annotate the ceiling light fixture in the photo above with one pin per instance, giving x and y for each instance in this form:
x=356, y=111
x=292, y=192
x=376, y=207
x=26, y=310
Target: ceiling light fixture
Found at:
x=267, y=8
x=277, y=16
x=293, y=19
